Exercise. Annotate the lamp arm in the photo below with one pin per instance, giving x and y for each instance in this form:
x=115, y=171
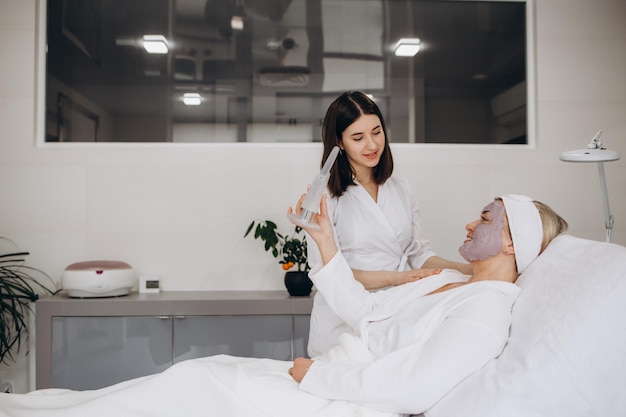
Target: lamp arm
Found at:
x=596, y=143
x=608, y=218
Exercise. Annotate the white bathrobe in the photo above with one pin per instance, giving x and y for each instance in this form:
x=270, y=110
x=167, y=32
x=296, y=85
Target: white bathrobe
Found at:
x=407, y=352
x=373, y=236
x=385, y=234
x=422, y=346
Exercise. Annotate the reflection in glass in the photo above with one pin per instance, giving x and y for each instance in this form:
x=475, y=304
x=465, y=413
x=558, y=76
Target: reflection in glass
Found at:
x=266, y=70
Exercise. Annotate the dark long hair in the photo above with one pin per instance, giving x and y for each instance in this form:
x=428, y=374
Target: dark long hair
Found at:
x=344, y=111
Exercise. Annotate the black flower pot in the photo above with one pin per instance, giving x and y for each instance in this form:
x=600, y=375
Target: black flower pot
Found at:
x=298, y=283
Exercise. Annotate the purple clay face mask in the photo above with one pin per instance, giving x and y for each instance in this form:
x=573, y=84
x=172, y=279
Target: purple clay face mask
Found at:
x=487, y=238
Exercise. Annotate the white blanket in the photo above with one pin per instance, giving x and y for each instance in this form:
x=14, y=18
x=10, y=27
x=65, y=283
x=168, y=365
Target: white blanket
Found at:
x=214, y=386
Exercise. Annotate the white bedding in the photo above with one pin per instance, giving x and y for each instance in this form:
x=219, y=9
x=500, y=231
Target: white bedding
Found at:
x=566, y=354
x=215, y=386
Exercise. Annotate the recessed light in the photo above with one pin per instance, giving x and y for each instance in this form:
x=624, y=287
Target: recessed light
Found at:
x=236, y=23
x=192, y=99
x=155, y=44
x=407, y=47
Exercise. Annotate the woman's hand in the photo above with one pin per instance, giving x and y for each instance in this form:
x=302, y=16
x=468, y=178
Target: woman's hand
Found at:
x=300, y=368
x=374, y=280
x=412, y=275
x=321, y=219
x=324, y=237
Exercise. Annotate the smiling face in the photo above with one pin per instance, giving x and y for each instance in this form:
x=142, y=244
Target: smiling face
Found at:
x=485, y=235
x=364, y=142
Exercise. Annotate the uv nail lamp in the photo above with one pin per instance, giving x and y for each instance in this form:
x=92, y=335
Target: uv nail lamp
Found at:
x=98, y=279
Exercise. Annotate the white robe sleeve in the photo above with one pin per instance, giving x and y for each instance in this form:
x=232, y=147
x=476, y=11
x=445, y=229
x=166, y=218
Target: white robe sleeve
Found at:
x=343, y=295
x=412, y=379
x=314, y=257
x=325, y=326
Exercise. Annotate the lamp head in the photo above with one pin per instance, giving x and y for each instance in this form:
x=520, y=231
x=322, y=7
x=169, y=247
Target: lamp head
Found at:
x=589, y=155
x=594, y=152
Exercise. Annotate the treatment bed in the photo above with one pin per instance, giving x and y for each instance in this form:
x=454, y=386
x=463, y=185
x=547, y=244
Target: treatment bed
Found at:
x=566, y=356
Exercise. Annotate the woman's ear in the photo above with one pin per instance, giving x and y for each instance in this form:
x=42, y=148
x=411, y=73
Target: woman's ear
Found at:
x=509, y=249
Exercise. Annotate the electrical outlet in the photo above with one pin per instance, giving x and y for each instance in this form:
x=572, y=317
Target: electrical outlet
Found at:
x=7, y=387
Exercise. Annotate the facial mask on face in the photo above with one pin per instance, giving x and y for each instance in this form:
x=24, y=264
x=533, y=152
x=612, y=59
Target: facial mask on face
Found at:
x=487, y=238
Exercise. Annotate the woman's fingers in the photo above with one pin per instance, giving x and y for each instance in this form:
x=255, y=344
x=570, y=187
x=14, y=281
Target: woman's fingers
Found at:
x=417, y=274
x=298, y=208
x=299, y=203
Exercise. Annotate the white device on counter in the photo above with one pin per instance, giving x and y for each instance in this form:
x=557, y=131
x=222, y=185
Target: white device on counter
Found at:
x=149, y=284
x=98, y=279
x=313, y=197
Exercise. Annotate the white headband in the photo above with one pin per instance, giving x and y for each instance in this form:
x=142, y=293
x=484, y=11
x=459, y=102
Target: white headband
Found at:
x=526, y=228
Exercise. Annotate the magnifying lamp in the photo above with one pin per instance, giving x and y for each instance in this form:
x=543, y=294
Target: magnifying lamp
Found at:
x=595, y=152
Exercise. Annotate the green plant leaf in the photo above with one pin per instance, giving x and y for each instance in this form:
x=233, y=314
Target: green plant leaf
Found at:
x=249, y=229
x=20, y=285
x=285, y=248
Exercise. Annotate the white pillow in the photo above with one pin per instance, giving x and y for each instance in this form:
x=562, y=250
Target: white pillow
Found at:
x=566, y=355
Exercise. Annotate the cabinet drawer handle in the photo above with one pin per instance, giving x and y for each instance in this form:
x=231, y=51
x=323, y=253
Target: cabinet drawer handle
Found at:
x=180, y=317
x=164, y=317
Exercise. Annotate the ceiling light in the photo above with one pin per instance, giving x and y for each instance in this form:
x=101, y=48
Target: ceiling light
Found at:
x=192, y=99
x=236, y=23
x=407, y=47
x=155, y=44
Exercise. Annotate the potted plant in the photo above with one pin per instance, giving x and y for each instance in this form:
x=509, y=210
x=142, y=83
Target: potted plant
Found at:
x=290, y=250
x=19, y=286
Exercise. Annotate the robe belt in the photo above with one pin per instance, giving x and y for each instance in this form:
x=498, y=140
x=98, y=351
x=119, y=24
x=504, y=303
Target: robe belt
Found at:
x=411, y=250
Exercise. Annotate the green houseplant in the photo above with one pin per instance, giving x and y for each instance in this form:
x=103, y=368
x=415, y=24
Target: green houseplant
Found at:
x=290, y=250
x=19, y=286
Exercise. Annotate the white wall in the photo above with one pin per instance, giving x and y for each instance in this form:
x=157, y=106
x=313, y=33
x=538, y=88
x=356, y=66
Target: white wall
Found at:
x=180, y=211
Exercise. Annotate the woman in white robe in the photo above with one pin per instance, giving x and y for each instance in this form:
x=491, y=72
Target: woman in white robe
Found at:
x=375, y=214
x=408, y=347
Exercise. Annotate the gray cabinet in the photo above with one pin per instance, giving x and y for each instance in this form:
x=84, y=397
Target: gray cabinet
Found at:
x=301, y=334
x=94, y=352
x=250, y=336
x=91, y=343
